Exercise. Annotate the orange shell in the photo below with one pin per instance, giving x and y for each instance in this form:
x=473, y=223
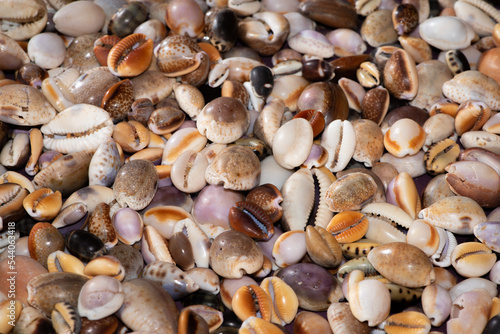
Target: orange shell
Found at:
x=131, y=56
x=246, y=299
x=348, y=226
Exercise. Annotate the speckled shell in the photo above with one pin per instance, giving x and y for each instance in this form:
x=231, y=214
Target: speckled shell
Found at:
x=105, y=163
x=350, y=192
x=135, y=184
x=473, y=85
x=235, y=167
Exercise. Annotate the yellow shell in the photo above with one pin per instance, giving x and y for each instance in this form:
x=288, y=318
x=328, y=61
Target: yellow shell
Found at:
x=284, y=300
x=408, y=322
x=348, y=226
x=472, y=259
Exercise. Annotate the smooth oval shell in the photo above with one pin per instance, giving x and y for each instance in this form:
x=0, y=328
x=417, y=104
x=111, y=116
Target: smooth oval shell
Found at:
x=292, y=143
x=417, y=270
x=100, y=297
x=135, y=184
x=457, y=35
x=79, y=18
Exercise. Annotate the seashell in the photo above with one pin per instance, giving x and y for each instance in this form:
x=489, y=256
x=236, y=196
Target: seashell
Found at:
x=73, y=130
x=481, y=139
x=221, y=26
x=436, y=303
x=289, y=148
x=432, y=74
x=365, y=7
x=483, y=190
x=350, y=192
x=456, y=61
x=377, y=29
x=12, y=54
x=314, y=286
x=307, y=322
x=486, y=232
x=440, y=154
x=424, y=236
x=30, y=15
x=238, y=247
x=102, y=46
x=337, y=139
x=24, y=105
x=447, y=243
x=334, y=14
x=298, y=210
x=189, y=318
x=437, y=128
x=453, y=208
x=284, y=300
x=105, y=265
x=250, y=299
x=127, y=188
x=77, y=14
x=176, y=282
x=478, y=18
x=348, y=226
x=322, y=247
x=313, y=43
x=364, y=294
x=368, y=74
x=289, y=88
x=412, y=164
x=56, y=88
x=353, y=91
x=375, y=104
x=418, y=49
x=132, y=136
x=66, y=174
x=43, y=204
x=177, y=55
x=152, y=85
x=258, y=325
x=130, y=56
x=250, y=219
x=473, y=85
x=46, y=290
x=43, y=240
x=223, y=120
x=206, y=278
x=265, y=32
x=142, y=295
x=405, y=18
x=164, y=217
x=47, y=50
x=488, y=62
x=17, y=178
x=235, y=167
x=91, y=196
x=459, y=37
x=190, y=99
x=188, y=172
x=92, y=85
x=182, y=140
x=491, y=124
x=84, y=245
x=185, y=18
x=346, y=42
x=59, y=261
x=15, y=153
x=358, y=249
x=100, y=297
x=268, y=197
x=342, y=320
x=118, y=100
x=36, y=147
x=80, y=55
x=468, y=307
x=369, y=142
x=198, y=239
x=472, y=259
x=124, y=20
x=128, y=225
x=289, y=248
x=400, y=76
x=471, y=116
x=65, y=317
x=105, y=163
x=418, y=322
x=405, y=137
x=419, y=273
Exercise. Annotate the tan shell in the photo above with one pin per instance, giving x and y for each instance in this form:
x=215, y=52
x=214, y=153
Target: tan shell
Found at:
x=399, y=322
x=24, y=105
x=235, y=167
x=472, y=259
x=392, y=261
x=350, y=192
x=369, y=142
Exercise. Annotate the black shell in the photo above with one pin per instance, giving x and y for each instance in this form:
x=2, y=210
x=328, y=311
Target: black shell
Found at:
x=262, y=81
x=317, y=70
x=221, y=26
x=129, y=17
x=84, y=245
x=493, y=325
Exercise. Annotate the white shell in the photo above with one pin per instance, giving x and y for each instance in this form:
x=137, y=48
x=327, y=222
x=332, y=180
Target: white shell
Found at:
x=292, y=143
x=481, y=22
x=77, y=120
x=446, y=32
x=198, y=240
x=100, y=297
x=339, y=139
x=289, y=248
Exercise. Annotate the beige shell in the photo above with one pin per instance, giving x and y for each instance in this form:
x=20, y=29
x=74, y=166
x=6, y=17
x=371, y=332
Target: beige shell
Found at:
x=472, y=259
x=391, y=260
x=292, y=143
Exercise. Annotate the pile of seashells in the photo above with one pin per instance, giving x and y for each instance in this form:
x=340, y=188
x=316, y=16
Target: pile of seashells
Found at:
x=239, y=166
